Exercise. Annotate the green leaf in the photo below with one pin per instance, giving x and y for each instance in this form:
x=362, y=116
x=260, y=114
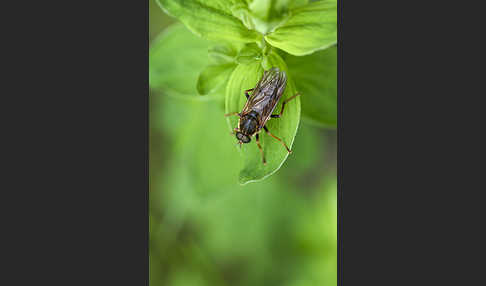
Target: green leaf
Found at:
x=223, y=54
x=175, y=59
x=211, y=19
x=249, y=53
x=261, y=8
x=265, y=15
x=297, y=3
x=310, y=28
x=245, y=76
x=316, y=79
x=241, y=11
x=213, y=77
x=270, y=9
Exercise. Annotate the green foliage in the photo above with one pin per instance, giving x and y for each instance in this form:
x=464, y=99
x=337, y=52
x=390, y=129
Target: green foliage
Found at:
x=223, y=53
x=233, y=42
x=204, y=227
x=318, y=84
x=249, y=54
x=207, y=230
x=209, y=19
x=310, y=28
x=267, y=14
x=177, y=75
x=213, y=77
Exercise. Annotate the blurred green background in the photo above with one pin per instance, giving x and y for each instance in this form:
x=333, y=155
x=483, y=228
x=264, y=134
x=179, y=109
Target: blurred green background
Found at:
x=205, y=229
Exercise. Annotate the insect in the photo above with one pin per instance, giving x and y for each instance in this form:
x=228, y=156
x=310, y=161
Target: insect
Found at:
x=259, y=107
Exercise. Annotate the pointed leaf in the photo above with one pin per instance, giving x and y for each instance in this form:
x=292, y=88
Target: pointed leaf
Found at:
x=244, y=77
x=210, y=19
x=213, y=77
x=241, y=11
x=249, y=53
x=310, y=28
x=271, y=9
x=223, y=54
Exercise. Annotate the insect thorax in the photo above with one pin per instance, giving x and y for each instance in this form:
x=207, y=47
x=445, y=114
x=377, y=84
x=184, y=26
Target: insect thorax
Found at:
x=249, y=123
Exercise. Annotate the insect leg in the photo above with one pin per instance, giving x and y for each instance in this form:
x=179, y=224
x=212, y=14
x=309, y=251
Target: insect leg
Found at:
x=283, y=106
x=234, y=131
x=232, y=113
x=246, y=92
x=268, y=132
x=261, y=150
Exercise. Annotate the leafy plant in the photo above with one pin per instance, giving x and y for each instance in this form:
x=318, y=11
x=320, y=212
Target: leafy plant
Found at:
x=224, y=46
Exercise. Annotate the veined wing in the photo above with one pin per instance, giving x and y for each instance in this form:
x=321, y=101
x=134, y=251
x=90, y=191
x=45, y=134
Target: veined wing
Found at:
x=266, y=94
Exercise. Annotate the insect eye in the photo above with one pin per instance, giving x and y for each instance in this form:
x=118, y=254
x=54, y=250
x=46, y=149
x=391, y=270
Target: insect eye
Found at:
x=246, y=139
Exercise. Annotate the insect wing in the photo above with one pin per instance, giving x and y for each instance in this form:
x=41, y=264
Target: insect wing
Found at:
x=267, y=93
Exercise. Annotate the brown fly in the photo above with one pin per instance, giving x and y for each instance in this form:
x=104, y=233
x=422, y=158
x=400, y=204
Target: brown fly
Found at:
x=259, y=107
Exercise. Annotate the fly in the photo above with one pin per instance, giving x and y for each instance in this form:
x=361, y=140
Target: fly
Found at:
x=259, y=107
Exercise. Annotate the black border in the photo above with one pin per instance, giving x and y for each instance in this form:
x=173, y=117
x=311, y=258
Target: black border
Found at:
x=78, y=172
